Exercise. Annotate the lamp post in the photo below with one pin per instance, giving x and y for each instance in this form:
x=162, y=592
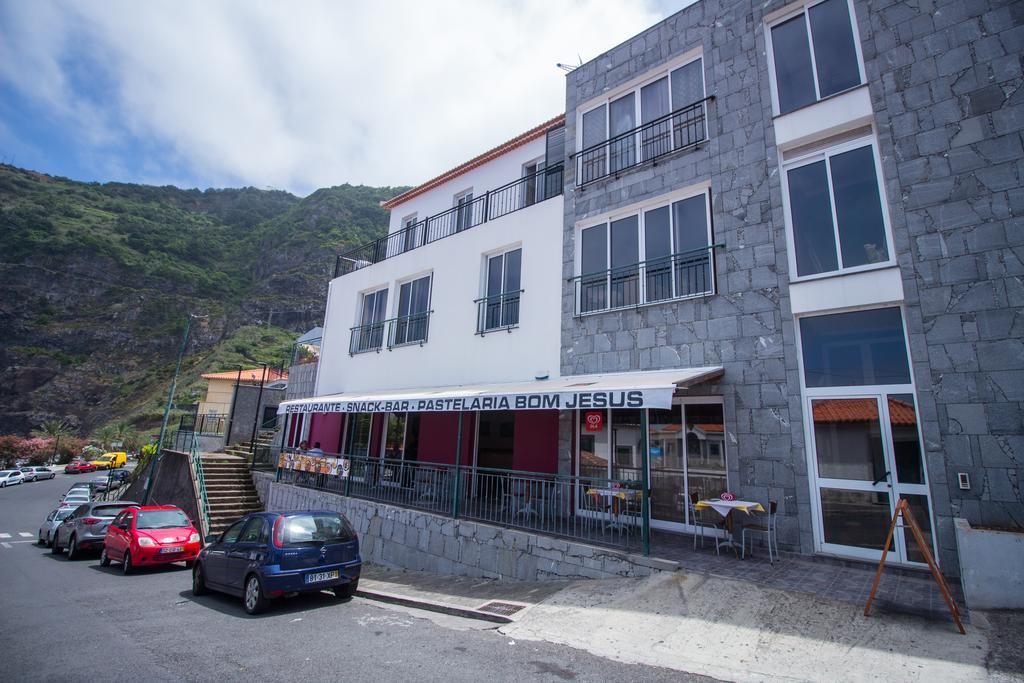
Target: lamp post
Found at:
x=167, y=413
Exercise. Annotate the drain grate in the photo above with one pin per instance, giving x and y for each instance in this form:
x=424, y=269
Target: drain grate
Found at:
x=505, y=609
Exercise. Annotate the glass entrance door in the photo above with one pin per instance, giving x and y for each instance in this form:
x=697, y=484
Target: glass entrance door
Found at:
x=867, y=455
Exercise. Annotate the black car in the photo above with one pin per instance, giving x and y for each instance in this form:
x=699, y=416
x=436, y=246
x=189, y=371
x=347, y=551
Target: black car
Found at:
x=118, y=477
x=270, y=554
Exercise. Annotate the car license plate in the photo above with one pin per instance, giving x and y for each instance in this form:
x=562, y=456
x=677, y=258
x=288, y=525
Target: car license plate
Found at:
x=321, y=576
x=175, y=549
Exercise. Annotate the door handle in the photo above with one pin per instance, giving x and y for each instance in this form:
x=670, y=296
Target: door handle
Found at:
x=878, y=481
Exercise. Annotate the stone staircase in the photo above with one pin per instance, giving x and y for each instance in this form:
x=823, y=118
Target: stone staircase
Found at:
x=229, y=489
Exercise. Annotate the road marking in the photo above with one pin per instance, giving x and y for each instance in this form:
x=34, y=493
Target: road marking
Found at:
x=7, y=545
x=24, y=534
x=5, y=535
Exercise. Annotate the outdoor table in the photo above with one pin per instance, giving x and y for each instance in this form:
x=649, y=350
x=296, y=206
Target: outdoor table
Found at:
x=624, y=495
x=725, y=508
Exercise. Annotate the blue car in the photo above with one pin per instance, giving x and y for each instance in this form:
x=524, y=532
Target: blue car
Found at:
x=267, y=555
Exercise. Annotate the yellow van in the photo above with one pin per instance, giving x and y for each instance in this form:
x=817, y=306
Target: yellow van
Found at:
x=110, y=461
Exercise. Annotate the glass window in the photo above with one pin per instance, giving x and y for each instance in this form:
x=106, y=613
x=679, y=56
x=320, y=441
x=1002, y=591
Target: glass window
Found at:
x=918, y=508
x=595, y=131
x=846, y=181
x=860, y=348
x=622, y=119
x=495, y=439
x=413, y=305
x=905, y=442
x=687, y=84
x=625, y=255
x=848, y=439
x=464, y=211
x=654, y=104
x=504, y=279
x=357, y=439
x=705, y=449
x=594, y=444
x=799, y=81
x=370, y=333
x=657, y=252
x=855, y=518
x=253, y=531
x=231, y=535
x=668, y=469
x=690, y=234
x=625, y=447
x=394, y=437
x=835, y=56
x=594, y=268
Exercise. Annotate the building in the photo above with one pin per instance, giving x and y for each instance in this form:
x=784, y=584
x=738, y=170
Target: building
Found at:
x=788, y=257
x=220, y=387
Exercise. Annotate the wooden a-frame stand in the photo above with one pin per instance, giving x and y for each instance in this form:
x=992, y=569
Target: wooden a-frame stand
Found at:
x=902, y=508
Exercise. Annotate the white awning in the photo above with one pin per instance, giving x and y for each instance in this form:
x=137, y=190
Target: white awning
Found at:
x=652, y=389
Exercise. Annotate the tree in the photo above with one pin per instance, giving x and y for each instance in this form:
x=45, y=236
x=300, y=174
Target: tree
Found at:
x=127, y=435
x=105, y=436
x=53, y=429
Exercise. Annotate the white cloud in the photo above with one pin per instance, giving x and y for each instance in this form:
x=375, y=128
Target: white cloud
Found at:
x=303, y=95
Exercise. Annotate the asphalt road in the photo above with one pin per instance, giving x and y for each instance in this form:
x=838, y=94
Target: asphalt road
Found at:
x=62, y=620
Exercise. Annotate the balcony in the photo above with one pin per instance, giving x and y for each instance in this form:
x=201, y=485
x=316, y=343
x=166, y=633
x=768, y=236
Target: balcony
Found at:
x=404, y=330
x=493, y=204
x=685, y=128
x=498, y=312
x=685, y=275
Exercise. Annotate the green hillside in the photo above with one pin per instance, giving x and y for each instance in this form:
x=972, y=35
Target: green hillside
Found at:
x=96, y=281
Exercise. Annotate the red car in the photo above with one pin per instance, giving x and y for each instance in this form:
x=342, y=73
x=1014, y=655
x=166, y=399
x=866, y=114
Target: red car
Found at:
x=79, y=466
x=150, y=535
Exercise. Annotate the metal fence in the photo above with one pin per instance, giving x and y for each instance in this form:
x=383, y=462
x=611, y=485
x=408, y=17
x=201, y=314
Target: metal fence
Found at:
x=470, y=212
x=682, y=129
x=591, y=509
x=498, y=312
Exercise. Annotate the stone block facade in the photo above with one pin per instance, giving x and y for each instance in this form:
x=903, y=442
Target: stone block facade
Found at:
x=945, y=84
x=411, y=539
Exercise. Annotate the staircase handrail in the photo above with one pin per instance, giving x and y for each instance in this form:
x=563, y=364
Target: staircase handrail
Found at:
x=195, y=463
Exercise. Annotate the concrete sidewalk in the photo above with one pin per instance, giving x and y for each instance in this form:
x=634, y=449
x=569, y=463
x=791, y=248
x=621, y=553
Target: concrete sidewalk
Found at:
x=726, y=628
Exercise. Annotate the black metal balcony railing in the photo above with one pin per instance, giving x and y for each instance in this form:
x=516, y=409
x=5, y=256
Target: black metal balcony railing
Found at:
x=684, y=128
x=366, y=338
x=509, y=198
x=498, y=312
x=210, y=424
x=401, y=331
x=591, y=509
x=678, y=276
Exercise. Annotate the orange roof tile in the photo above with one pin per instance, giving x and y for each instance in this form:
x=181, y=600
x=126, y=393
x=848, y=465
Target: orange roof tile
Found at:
x=518, y=141
x=862, y=410
x=248, y=375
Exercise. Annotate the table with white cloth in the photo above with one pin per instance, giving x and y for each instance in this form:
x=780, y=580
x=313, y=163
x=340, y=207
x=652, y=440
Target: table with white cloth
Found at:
x=725, y=508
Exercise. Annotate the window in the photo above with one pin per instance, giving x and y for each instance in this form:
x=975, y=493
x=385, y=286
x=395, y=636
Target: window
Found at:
x=835, y=208
x=554, y=158
x=674, y=239
x=357, y=437
x=861, y=348
x=815, y=55
x=253, y=531
x=500, y=306
x=606, y=143
x=533, y=182
x=410, y=326
x=369, y=334
x=231, y=535
x=411, y=237
x=464, y=210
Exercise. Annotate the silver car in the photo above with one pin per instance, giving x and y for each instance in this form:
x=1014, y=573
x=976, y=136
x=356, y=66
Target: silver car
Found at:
x=53, y=520
x=10, y=478
x=86, y=527
x=38, y=473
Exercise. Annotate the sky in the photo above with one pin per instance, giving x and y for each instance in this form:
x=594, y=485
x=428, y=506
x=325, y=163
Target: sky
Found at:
x=292, y=96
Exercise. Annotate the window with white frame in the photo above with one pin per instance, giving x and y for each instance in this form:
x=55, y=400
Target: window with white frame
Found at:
x=410, y=233
x=815, y=54
x=369, y=334
x=652, y=119
x=499, y=307
x=658, y=253
x=464, y=210
x=411, y=323
x=836, y=214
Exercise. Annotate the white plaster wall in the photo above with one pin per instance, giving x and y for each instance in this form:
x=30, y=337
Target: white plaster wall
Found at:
x=453, y=353
x=490, y=176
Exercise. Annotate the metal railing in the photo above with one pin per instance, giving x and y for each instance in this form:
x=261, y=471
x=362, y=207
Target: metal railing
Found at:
x=590, y=509
x=682, y=129
x=195, y=464
x=205, y=425
x=509, y=198
x=498, y=312
x=365, y=338
x=684, y=275
x=409, y=329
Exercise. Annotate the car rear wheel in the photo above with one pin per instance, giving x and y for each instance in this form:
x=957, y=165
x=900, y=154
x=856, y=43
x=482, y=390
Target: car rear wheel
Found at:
x=346, y=591
x=55, y=546
x=104, y=558
x=255, y=601
x=126, y=565
x=198, y=580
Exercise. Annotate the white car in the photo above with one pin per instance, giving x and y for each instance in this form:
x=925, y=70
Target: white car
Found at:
x=53, y=520
x=10, y=478
x=76, y=498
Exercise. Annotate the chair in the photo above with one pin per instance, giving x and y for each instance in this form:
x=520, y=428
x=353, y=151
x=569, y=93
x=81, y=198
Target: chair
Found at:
x=699, y=523
x=767, y=529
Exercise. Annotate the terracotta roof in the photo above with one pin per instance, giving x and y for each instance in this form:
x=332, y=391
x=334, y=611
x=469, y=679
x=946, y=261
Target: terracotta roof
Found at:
x=711, y=427
x=862, y=410
x=518, y=141
x=248, y=375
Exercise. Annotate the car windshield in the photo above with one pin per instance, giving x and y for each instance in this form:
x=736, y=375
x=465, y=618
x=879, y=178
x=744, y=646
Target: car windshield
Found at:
x=316, y=529
x=108, y=510
x=161, y=519
x=63, y=513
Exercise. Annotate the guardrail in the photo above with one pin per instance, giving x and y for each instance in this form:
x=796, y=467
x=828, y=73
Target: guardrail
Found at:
x=498, y=312
x=684, y=275
x=590, y=509
x=682, y=129
x=195, y=465
x=509, y=198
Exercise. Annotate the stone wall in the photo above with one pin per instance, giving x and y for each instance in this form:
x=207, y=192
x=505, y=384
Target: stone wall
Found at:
x=410, y=539
x=944, y=79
